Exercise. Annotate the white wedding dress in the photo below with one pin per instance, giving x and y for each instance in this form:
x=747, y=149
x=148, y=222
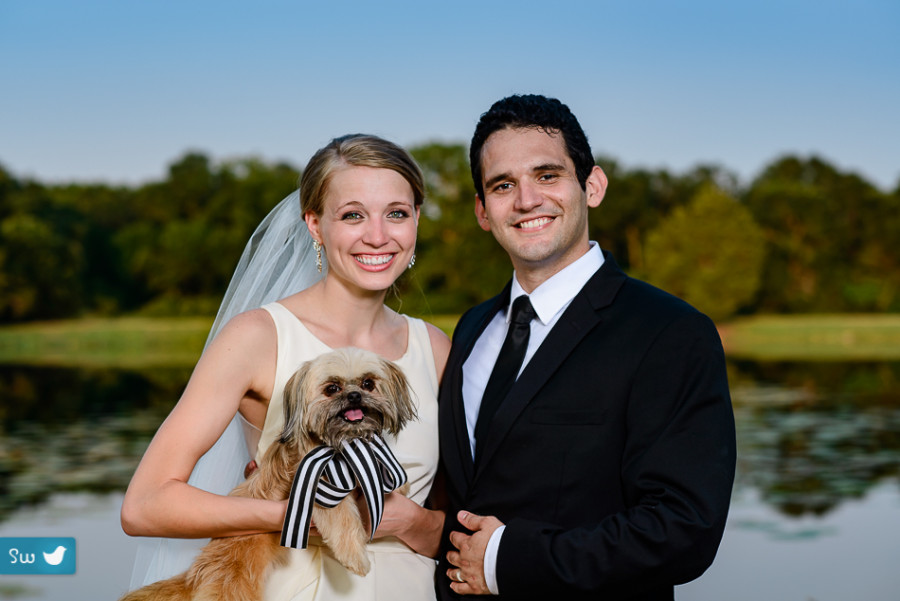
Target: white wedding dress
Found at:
x=397, y=573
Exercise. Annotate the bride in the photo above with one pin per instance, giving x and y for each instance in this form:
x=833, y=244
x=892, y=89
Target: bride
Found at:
x=313, y=278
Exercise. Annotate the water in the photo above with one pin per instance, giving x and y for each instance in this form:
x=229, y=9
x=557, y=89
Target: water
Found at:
x=69, y=443
x=815, y=512
x=849, y=554
x=105, y=554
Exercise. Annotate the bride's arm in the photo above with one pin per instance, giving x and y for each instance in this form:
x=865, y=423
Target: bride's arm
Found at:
x=238, y=364
x=418, y=527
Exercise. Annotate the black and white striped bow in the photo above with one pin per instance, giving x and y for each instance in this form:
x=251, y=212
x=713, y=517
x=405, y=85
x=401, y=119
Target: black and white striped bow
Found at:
x=326, y=475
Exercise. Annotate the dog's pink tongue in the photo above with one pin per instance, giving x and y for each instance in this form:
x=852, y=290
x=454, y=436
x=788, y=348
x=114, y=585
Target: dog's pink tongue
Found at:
x=353, y=415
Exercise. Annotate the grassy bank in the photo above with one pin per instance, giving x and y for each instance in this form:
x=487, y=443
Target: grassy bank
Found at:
x=123, y=342
x=150, y=342
x=109, y=342
x=814, y=338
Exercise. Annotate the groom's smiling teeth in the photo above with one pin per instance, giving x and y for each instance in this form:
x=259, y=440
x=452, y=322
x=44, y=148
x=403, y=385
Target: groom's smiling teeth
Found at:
x=534, y=223
x=374, y=259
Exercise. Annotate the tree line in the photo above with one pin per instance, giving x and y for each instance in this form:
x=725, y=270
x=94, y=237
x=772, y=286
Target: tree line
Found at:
x=803, y=236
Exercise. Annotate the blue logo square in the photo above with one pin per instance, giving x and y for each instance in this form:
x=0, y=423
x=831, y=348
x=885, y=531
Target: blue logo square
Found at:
x=37, y=555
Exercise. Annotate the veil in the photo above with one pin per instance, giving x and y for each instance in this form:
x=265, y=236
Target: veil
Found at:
x=278, y=261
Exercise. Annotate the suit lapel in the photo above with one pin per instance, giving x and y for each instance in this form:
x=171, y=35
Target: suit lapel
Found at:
x=458, y=460
x=581, y=316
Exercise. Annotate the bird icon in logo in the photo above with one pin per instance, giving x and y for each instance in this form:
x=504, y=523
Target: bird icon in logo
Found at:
x=55, y=558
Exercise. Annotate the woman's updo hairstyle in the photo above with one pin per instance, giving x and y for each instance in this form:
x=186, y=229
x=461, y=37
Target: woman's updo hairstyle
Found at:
x=357, y=150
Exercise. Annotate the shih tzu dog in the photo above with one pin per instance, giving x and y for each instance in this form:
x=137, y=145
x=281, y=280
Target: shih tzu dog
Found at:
x=336, y=408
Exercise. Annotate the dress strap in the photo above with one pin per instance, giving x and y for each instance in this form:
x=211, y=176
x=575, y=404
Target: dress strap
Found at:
x=419, y=352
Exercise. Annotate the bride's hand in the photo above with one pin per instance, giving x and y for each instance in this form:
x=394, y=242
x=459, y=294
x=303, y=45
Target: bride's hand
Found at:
x=419, y=528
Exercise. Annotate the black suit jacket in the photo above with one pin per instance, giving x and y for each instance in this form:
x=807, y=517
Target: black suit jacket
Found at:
x=612, y=458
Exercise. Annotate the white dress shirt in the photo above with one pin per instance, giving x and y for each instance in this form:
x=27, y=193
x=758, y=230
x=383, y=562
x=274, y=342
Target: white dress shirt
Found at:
x=549, y=300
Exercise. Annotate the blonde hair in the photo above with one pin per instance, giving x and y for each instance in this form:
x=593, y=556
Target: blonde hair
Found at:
x=358, y=150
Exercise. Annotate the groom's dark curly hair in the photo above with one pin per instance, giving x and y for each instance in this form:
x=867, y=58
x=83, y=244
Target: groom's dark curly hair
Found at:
x=532, y=111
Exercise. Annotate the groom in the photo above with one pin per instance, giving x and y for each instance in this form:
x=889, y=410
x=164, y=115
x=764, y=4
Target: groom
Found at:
x=599, y=463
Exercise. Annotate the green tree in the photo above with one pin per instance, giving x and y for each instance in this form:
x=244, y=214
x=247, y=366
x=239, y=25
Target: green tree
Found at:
x=102, y=210
x=708, y=252
x=192, y=227
x=832, y=239
x=172, y=244
x=40, y=269
x=637, y=200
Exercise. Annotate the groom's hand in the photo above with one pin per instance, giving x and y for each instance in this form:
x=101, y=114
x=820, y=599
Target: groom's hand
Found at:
x=469, y=556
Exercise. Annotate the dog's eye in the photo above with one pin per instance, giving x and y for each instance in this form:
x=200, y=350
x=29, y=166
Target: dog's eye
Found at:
x=332, y=389
x=368, y=384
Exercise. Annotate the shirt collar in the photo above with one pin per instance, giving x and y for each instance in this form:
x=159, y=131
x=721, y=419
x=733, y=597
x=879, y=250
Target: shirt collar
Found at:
x=557, y=292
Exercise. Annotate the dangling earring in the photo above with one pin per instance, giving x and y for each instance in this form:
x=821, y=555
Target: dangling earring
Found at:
x=318, y=248
x=412, y=261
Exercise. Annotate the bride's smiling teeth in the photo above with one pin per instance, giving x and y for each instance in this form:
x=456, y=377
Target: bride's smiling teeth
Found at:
x=534, y=223
x=374, y=259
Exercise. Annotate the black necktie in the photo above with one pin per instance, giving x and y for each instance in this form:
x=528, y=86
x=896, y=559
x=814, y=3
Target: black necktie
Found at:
x=512, y=353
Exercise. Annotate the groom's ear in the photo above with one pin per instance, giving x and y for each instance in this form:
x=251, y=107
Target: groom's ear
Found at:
x=481, y=214
x=595, y=187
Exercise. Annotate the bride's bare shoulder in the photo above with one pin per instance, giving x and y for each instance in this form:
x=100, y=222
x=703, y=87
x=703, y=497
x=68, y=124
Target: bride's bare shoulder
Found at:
x=440, y=347
x=255, y=325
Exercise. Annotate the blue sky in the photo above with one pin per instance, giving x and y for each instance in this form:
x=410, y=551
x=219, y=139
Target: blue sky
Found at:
x=117, y=90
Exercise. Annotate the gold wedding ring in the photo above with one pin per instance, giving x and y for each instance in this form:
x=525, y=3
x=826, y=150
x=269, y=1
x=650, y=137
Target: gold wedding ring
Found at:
x=459, y=577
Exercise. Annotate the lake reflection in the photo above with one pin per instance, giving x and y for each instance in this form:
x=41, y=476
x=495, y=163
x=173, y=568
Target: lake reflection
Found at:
x=76, y=430
x=818, y=446
x=811, y=436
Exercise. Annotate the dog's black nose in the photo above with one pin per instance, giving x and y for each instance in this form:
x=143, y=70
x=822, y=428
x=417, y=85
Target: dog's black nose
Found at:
x=354, y=397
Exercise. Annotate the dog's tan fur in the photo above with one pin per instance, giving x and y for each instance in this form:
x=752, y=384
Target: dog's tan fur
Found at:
x=315, y=398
